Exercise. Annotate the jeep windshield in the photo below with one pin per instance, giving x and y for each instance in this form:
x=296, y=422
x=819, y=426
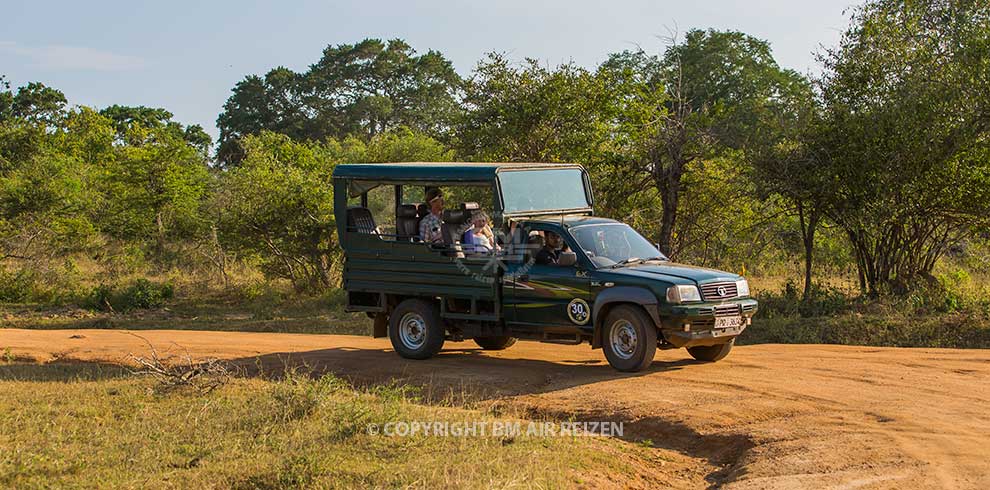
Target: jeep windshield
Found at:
x=544, y=191
x=614, y=245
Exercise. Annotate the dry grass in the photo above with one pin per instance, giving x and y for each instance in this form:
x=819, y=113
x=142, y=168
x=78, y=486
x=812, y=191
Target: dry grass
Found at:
x=70, y=426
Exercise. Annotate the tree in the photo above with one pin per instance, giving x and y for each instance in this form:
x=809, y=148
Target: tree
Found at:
x=125, y=118
x=787, y=162
x=153, y=190
x=47, y=198
x=711, y=93
x=362, y=89
x=531, y=113
x=6, y=99
x=907, y=119
x=34, y=102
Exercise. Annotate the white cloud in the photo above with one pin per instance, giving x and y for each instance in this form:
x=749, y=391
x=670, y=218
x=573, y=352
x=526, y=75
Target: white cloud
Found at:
x=59, y=57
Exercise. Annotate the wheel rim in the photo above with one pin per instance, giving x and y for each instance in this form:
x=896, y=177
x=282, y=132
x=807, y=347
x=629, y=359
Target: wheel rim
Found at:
x=412, y=331
x=623, y=339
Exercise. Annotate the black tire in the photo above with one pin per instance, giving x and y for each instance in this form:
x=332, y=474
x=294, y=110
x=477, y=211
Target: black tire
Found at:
x=711, y=353
x=423, y=334
x=629, y=339
x=495, y=343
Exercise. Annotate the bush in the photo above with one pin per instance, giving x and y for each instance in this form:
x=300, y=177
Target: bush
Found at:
x=142, y=294
x=16, y=287
x=823, y=301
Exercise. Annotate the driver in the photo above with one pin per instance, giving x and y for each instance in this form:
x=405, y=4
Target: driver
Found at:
x=550, y=253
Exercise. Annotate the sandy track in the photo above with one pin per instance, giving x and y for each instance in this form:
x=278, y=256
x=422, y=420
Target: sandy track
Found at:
x=768, y=416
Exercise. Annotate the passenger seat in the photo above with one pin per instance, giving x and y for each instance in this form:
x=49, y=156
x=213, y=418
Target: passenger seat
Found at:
x=406, y=222
x=359, y=219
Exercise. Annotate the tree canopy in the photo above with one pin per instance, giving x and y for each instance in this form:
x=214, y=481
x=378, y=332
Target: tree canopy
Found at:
x=358, y=90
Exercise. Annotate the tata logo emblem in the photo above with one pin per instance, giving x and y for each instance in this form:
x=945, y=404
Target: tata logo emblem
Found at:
x=721, y=291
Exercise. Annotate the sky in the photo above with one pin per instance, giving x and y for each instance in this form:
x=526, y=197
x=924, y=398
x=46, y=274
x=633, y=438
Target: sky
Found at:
x=186, y=56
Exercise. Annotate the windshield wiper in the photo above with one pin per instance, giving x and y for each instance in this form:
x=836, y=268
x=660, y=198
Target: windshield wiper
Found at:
x=634, y=260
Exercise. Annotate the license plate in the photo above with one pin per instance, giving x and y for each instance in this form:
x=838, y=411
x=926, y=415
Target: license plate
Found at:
x=728, y=321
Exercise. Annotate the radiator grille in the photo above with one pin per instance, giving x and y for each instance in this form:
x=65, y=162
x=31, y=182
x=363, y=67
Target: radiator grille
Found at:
x=718, y=291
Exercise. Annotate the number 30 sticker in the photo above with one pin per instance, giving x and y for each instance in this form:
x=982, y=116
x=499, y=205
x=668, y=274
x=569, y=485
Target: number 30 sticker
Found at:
x=578, y=311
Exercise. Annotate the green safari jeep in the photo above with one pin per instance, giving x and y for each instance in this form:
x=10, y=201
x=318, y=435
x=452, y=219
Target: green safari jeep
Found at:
x=546, y=270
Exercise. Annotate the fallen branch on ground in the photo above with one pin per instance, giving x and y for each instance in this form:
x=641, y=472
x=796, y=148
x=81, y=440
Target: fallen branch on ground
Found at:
x=203, y=376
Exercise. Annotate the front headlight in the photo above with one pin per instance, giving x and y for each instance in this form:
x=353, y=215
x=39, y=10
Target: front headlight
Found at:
x=682, y=294
x=742, y=288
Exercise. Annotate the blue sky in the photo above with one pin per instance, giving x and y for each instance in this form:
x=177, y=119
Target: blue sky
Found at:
x=186, y=56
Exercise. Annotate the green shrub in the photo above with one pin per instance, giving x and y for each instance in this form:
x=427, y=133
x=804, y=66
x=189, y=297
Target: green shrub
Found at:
x=142, y=294
x=16, y=287
x=823, y=301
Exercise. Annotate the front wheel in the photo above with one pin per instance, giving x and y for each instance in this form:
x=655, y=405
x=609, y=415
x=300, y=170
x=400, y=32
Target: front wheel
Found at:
x=495, y=343
x=630, y=339
x=711, y=353
x=415, y=329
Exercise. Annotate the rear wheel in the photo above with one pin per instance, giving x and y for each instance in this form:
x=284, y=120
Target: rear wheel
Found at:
x=495, y=343
x=711, y=353
x=630, y=339
x=415, y=329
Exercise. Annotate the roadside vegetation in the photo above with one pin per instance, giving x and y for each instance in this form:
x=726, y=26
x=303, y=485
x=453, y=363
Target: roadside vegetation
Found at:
x=77, y=424
x=856, y=200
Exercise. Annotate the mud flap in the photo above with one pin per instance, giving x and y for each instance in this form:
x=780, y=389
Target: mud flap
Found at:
x=381, y=326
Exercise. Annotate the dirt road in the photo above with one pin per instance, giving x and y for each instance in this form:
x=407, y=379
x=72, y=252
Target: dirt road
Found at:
x=768, y=416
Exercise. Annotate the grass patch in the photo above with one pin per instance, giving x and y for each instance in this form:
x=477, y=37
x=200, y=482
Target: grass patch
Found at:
x=71, y=425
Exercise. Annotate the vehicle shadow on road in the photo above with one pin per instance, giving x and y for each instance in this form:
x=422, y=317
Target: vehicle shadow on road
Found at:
x=461, y=370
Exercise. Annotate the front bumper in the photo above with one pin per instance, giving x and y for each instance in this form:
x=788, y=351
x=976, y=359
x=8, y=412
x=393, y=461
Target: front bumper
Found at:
x=693, y=324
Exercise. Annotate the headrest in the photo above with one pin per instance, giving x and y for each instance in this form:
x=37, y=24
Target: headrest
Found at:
x=406, y=211
x=422, y=210
x=470, y=206
x=535, y=240
x=455, y=216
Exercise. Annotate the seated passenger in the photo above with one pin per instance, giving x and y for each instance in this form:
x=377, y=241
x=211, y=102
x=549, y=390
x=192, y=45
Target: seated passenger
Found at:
x=431, y=225
x=550, y=253
x=479, y=237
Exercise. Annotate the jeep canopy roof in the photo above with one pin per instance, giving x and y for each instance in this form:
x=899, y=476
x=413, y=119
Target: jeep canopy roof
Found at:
x=519, y=188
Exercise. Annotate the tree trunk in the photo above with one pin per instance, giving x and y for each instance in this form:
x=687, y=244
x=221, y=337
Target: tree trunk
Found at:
x=669, y=185
x=667, y=221
x=809, y=225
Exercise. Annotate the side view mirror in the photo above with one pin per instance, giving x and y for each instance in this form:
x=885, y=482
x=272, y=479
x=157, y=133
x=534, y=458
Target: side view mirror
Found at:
x=567, y=259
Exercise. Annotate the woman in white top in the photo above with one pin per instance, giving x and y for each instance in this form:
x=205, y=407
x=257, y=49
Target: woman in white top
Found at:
x=483, y=238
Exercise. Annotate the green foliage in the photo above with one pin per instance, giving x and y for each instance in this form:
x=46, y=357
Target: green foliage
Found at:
x=34, y=102
x=126, y=119
x=359, y=90
x=278, y=205
x=141, y=294
x=155, y=189
x=16, y=287
x=532, y=113
x=705, y=97
x=400, y=145
x=823, y=301
x=906, y=135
